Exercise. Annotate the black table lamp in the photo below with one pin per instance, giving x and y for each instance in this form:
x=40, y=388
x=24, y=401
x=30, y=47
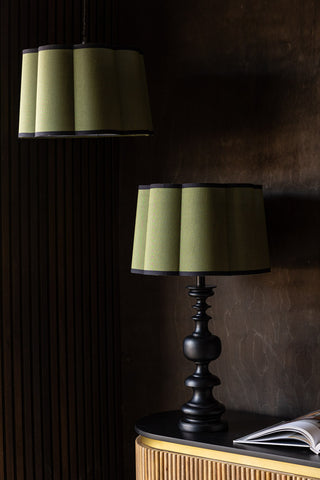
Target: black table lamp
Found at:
x=199, y=229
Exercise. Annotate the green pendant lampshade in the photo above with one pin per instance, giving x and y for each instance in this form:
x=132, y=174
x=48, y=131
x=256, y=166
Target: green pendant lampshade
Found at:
x=83, y=90
x=200, y=229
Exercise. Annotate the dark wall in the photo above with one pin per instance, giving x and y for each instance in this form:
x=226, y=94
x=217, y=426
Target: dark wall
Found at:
x=235, y=95
x=59, y=355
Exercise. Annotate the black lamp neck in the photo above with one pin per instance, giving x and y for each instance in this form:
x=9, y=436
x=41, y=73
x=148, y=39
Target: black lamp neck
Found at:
x=201, y=281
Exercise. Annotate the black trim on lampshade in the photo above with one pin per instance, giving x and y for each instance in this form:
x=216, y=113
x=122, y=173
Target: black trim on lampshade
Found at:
x=40, y=134
x=191, y=185
x=159, y=185
x=220, y=185
x=165, y=185
x=78, y=133
x=153, y=272
x=30, y=50
x=26, y=135
x=103, y=45
x=61, y=46
x=58, y=46
x=114, y=132
x=201, y=273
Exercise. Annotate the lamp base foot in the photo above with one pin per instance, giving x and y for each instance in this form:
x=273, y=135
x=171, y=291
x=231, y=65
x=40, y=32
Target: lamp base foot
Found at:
x=206, y=426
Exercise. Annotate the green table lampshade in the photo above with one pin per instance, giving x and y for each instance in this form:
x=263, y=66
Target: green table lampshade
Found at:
x=83, y=90
x=200, y=229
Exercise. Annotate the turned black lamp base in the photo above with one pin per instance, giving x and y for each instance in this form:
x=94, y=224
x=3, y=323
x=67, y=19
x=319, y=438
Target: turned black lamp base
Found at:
x=203, y=412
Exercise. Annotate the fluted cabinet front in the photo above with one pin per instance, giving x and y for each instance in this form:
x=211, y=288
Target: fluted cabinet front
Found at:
x=156, y=464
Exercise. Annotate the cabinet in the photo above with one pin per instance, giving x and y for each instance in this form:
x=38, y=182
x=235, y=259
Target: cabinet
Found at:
x=165, y=453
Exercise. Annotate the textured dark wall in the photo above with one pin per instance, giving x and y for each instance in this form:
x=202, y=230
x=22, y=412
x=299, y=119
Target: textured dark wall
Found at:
x=235, y=95
x=59, y=356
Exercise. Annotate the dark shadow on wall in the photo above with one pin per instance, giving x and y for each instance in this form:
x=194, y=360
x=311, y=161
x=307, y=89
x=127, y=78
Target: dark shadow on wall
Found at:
x=293, y=223
x=225, y=103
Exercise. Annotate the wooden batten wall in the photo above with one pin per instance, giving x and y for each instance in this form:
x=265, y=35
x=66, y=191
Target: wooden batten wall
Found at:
x=59, y=376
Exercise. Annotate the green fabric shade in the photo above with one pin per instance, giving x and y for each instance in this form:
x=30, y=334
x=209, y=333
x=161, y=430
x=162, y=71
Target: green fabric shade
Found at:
x=83, y=90
x=200, y=229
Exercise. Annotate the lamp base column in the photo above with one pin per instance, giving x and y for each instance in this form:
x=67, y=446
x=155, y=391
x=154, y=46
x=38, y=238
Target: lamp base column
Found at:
x=203, y=412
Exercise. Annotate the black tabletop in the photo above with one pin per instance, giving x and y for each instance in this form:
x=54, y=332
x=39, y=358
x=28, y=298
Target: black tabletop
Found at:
x=164, y=426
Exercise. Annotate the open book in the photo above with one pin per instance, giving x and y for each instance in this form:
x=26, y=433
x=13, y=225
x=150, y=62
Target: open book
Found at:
x=301, y=432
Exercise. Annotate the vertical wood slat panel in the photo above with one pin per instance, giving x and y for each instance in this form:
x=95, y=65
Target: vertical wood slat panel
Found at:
x=34, y=318
x=86, y=333
x=95, y=367
x=77, y=266
x=15, y=257
x=59, y=355
x=44, y=317
x=25, y=319
x=72, y=405
x=102, y=309
x=7, y=466
x=61, y=287
x=62, y=278
x=53, y=307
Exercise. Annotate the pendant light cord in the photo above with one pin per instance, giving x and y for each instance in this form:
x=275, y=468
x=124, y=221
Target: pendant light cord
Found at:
x=84, y=21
